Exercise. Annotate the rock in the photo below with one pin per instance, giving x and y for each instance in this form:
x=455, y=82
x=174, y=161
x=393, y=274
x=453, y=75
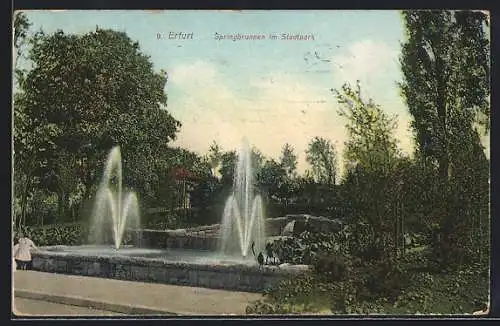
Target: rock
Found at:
x=180, y=232
x=288, y=230
x=323, y=224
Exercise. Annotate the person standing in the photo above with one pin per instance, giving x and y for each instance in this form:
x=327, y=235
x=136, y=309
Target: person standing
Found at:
x=22, y=253
x=14, y=250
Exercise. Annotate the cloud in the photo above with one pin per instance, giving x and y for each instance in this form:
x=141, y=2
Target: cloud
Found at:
x=273, y=109
x=367, y=61
x=278, y=109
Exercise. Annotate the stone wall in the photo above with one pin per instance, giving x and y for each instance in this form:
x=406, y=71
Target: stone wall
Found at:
x=206, y=237
x=162, y=239
x=228, y=277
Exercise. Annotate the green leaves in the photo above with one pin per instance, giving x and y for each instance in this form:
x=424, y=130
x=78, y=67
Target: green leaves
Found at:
x=371, y=144
x=445, y=62
x=322, y=156
x=84, y=94
x=288, y=160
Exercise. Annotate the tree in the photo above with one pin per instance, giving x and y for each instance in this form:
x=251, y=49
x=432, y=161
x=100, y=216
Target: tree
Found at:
x=372, y=156
x=271, y=179
x=288, y=160
x=87, y=93
x=228, y=162
x=214, y=156
x=445, y=63
x=257, y=160
x=371, y=144
x=322, y=156
x=21, y=27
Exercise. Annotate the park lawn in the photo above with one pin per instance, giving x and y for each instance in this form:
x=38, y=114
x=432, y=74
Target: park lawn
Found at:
x=445, y=294
x=452, y=293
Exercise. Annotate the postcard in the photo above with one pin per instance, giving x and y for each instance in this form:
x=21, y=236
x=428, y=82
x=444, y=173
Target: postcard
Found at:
x=216, y=163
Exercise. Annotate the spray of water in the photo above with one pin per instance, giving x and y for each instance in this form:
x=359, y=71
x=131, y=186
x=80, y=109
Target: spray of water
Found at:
x=243, y=217
x=112, y=205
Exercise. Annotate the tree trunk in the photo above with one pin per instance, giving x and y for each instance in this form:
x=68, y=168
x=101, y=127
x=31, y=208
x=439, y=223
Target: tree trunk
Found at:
x=403, y=227
x=442, y=116
x=24, y=201
x=61, y=206
x=396, y=238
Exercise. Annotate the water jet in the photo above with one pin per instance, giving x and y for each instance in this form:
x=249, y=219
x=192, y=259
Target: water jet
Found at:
x=243, y=220
x=112, y=204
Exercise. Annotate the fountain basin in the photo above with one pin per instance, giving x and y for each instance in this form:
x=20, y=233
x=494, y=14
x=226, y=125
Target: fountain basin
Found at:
x=171, y=266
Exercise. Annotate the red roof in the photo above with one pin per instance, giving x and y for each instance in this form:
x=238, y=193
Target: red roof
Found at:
x=180, y=173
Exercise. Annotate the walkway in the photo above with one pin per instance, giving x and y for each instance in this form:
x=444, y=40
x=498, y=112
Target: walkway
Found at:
x=128, y=297
x=28, y=307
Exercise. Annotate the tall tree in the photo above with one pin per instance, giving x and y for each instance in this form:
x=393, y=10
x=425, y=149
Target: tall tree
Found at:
x=371, y=144
x=21, y=27
x=228, y=163
x=445, y=63
x=86, y=93
x=288, y=160
x=214, y=157
x=371, y=155
x=322, y=156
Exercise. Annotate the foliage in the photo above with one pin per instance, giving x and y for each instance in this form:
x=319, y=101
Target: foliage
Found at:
x=322, y=156
x=288, y=160
x=377, y=287
x=214, y=157
x=371, y=144
x=84, y=94
x=445, y=63
x=70, y=234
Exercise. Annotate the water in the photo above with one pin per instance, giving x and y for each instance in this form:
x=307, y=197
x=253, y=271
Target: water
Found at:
x=243, y=217
x=114, y=209
x=202, y=257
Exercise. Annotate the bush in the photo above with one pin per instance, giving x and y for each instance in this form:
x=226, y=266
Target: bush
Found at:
x=333, y=267
x=70, y=234
x=304, y=294
x=387, y=280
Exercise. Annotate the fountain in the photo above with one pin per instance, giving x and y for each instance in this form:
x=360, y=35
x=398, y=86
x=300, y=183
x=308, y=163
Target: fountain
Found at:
x=243, y=220
x=114, y=210
x=113, y=205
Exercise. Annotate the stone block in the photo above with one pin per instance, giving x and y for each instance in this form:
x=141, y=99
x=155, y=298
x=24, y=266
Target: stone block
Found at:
x=121, y=271
x=61, y=266
x=78, y=266
x=139, y=273
x=38, y=264
x=181, y=241
x=193, y=277
x=93, y=269
x=204, y=278
x=50, y=265
x=157, y=274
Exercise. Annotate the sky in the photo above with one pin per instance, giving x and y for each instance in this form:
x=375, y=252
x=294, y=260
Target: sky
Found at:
x=271, y=91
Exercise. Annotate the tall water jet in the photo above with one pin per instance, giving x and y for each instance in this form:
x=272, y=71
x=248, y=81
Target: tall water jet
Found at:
x=243, y=217
x=113, y=208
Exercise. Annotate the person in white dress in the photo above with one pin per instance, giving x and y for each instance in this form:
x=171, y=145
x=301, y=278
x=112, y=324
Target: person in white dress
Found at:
x=22, y=251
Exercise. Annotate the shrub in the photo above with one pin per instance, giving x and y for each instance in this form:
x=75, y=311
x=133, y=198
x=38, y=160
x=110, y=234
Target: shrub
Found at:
x=386, y=280
x=333, y=267
x=70, y=234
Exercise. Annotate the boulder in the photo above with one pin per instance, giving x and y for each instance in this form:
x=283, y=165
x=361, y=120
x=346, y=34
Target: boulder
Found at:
x=323, y=224
x=288, y=230
x=294, y=228
x=275, y=226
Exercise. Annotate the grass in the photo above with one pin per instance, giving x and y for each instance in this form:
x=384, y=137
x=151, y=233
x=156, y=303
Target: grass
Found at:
x=459, y=292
